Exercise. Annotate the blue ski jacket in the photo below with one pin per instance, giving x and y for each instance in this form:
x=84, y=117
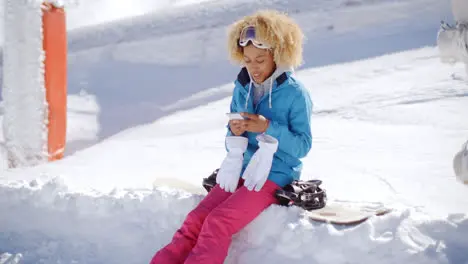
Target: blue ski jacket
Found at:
x=288, y=106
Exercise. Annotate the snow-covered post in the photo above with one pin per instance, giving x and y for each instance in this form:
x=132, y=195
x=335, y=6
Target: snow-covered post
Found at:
x=34, y=81
x=452, y=41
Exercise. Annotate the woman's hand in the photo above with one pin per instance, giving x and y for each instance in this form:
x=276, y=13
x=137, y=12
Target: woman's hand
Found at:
x=255, y=123
x=236, y=127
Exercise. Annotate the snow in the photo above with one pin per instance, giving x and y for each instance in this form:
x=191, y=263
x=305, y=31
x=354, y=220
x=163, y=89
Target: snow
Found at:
x=148, y=54
x=82, y=13
x=387, y=121
x=92, y=12
x=24, y=103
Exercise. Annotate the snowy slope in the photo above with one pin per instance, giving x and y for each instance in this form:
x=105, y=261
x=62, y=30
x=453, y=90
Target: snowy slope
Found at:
x=129, y=65
x=385, y=130
x=81, y=13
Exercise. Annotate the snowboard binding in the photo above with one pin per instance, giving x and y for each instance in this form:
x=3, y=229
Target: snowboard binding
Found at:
x=210, y=182
x=305, y=194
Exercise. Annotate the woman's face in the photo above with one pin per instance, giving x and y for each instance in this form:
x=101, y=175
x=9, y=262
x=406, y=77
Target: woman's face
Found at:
x=259, y=63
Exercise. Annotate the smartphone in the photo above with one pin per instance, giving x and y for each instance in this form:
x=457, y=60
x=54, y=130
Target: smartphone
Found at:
x=235, y=116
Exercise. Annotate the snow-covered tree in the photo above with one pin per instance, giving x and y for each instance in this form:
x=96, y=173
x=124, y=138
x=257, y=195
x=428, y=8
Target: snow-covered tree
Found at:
x=453, y=40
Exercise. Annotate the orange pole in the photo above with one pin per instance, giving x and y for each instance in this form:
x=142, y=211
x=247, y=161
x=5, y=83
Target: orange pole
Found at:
x=55, y=63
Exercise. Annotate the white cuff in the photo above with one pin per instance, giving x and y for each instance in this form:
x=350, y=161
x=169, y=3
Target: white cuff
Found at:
x=237, y=143
x=267, y=142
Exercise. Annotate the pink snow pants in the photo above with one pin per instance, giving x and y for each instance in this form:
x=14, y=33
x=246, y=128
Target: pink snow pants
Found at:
x=205, y=235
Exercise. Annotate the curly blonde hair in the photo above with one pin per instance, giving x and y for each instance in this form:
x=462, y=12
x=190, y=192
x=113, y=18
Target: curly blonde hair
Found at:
x=274, y=28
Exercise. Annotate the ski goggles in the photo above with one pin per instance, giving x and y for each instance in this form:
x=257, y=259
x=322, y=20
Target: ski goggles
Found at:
x=249, y=34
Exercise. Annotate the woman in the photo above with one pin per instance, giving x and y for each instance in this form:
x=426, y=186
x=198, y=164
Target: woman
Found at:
x=264, y=149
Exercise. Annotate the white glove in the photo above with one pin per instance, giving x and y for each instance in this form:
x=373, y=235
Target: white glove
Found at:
x=230, y=170
x=258, y=169
x=460, y=164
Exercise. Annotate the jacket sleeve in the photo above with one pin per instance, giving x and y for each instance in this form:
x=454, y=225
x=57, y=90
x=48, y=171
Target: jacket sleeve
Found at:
x=295, y=138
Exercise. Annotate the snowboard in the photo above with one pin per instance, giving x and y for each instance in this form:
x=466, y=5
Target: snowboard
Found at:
x=347, y=213
x=335, y=211
x=177, y=184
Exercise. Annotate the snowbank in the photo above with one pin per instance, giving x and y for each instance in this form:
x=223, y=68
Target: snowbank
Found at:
x=49, y=225
x=46, y=224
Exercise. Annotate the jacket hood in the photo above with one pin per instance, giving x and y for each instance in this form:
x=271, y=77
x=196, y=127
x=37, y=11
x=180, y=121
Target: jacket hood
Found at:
x=280, y=75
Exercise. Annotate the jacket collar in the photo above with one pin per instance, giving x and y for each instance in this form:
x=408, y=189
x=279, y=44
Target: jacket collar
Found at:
x=244, y=78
